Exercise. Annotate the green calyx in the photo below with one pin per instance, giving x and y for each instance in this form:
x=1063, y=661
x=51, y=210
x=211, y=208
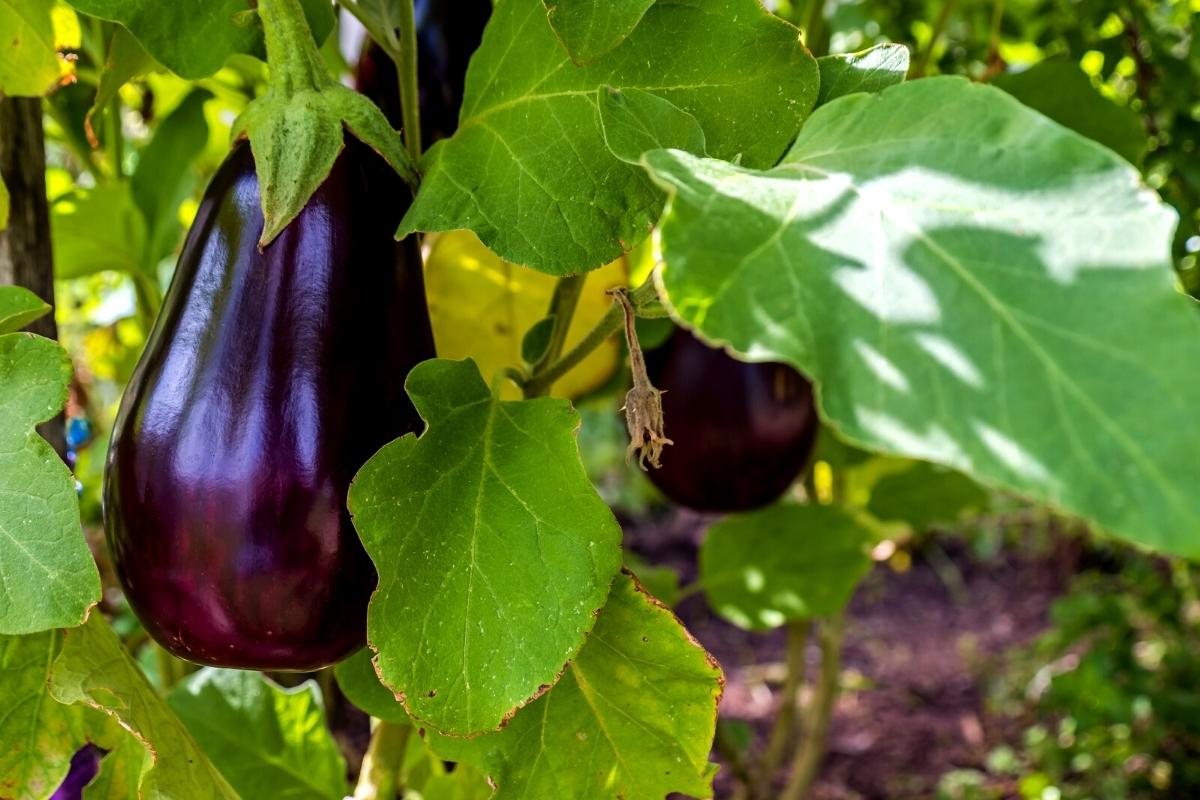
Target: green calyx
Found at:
x=297, y=128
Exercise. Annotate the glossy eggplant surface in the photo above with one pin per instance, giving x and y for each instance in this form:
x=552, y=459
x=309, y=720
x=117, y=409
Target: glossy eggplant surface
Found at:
x=268, y=380
x=448, y=33
x=742, y=432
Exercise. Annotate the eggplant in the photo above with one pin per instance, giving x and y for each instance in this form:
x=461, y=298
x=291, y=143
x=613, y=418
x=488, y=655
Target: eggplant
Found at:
x=448, y=33
x=269, y=378
x=85, y=766
x=742, y=432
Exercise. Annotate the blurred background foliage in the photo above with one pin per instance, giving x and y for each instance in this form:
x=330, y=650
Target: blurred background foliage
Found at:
x=1102, y=705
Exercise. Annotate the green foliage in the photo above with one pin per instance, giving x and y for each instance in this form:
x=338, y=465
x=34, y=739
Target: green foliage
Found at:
x=739, y=71
x=266, y=740
x=871, y=70
x=632, y=717
x=193, y=39
x=94, y=669
x=924, y=495
x=1062, y=91
x=47, y=576
x=899, y=257
x=490, y=541
x=28, y=64
x=589, y=30
x=1111, y=685
x=19, y=307
x=357, y=679
x=783, y=564
x=98, y=229
x=634, y=121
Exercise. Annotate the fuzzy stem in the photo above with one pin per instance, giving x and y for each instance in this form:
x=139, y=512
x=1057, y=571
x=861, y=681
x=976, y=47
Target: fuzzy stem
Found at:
x=382, y=774
x=808, y=756
x=410, y=98
x=292, y=54
x=784, y=728
x=562, y=307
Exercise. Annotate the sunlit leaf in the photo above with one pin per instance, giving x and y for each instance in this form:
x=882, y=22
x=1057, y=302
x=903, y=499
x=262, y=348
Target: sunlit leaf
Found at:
x=634, y=122
x=19, y=307
x=969, y=283
x=871, y=70
x=29, y=64
x=588, y=29
x=97, y=229
x=782, y=564
x=493, y=549
x=94, y=669
x=633, y=716
x=267, y=741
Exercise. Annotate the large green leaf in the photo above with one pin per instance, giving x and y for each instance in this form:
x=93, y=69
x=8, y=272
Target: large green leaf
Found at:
x=47, y=576
x=968, y=283
x=19, y=307
x=633, y=717
x=38, y=734
x=493, y=549
x=924, y=495
x=94, y=669
x=1063, y=92
x=28, y=63
x=588, y=29
x=527, y=169
x=782, y=564
x=266, y=740
x=193, y=38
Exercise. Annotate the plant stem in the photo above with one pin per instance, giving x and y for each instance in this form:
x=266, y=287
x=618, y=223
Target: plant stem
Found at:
x=808, y=755
x=292, y=54
x=729, y=750
x=382, y=774
x=814, y=20
x=922, y=63
x=645, y=302
x=410, y=98
x=784, y=728
x=562, y=307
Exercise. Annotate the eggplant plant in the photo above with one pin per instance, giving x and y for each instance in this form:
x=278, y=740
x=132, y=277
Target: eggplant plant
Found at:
x=871, y=278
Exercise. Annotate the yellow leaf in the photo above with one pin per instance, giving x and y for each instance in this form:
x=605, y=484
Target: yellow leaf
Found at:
x=481, y=306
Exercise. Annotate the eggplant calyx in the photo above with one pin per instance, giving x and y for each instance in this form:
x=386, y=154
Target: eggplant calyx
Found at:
x=297, y=128
x=643, y=403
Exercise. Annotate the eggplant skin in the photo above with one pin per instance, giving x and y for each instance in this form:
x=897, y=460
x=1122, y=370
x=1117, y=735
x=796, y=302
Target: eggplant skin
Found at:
x=269, y=379
x=448, y=33
x=742, y=432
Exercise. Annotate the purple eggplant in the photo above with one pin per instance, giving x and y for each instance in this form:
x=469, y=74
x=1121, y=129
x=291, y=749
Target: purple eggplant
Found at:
x=85, y=766
x=742, y=432
x=447, y=34
x=270, y=377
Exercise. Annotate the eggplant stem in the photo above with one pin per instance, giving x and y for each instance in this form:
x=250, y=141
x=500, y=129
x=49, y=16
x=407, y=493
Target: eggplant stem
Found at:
x=410, y=100
x=382, y=773
x=807, y=760
x=296, y=65
x=562, y=308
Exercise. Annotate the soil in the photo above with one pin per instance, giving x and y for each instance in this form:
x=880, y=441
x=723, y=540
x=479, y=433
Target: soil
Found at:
x=919, y=645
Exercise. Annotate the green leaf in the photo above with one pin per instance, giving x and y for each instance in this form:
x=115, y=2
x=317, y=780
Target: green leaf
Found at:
x=166, y=175
x=120, y=771
x=38, y=734
x=528, y=170
x=47, y=576
x=97, y=229
x=870, y=70
x=1062, y=91
x=970, y=284
x=925, y=495
x=633, y=716
x=635, y=122
x=268, y=741
x=588, y=29
x=126, y=60
x=660, y=581
x=782, y=564
x=95, y=669
x=357, y=679
x=537, y=340
x=493, y=549
x=194, y=38
x=19, y=307
x=29, y=65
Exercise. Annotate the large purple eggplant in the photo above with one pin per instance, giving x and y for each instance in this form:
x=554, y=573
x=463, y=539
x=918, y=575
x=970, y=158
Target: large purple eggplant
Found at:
x=742, y=432
x=269, y=379
x=447, y=34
